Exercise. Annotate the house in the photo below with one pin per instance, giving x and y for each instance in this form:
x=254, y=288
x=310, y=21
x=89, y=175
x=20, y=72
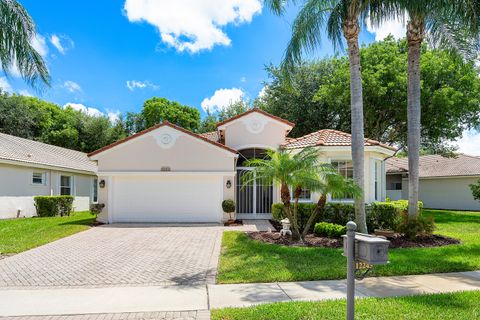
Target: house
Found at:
x=169, y=174
x=444, y=182
x=29, y=168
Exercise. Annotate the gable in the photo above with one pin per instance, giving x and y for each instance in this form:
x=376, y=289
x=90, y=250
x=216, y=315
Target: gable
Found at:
x=254, y=129
x=165, y=146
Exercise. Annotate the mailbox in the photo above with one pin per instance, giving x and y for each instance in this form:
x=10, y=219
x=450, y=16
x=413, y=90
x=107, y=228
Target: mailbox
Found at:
x=369, y=249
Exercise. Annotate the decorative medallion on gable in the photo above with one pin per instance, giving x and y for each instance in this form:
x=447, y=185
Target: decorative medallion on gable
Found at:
x=255, y=123
x=166, y=137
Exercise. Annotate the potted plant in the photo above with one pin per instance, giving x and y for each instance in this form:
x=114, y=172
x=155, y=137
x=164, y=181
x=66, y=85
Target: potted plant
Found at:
x=228, y=206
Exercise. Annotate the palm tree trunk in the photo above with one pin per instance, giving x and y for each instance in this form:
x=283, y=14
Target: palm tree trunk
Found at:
x=415, y=34
x=285, y=196
x=319, y=208
x=351, y=30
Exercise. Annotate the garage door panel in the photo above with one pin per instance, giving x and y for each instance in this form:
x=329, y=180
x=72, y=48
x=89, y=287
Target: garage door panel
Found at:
x=188, y=198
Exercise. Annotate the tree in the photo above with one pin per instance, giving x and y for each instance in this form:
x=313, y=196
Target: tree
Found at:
x=296, y=171
x=209, y=123
x=450, y=94
x=450, y=24
x=156, y=110
x=341, y=17
x=294, y=98
x=16, y=50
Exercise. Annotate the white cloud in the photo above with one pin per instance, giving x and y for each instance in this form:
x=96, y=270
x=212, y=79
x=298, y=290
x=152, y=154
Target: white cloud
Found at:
x=395, y=27
x=243, y=79
x=469, y=143
x=221, y=99
x=262, y=92
x=5, y=85
x=135, y=84
x=62, y=43
x=25, y=93
x=113, y=115
x=72, y=86
x=80, y=107
x=40, y=45
x=192, y=25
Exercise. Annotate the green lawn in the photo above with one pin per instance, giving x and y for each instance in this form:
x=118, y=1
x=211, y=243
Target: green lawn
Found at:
x=246, y=260
x=18, y=235
x=462, y=305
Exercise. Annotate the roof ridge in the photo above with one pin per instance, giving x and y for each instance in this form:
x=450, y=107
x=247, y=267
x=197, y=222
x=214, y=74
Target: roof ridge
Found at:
x=255, y=110
x=158, y=125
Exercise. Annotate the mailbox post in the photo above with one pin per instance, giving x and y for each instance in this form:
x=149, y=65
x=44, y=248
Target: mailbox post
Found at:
x=362, y=249
x=350, y=251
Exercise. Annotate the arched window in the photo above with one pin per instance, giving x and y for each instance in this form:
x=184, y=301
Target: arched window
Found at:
x=251, y=153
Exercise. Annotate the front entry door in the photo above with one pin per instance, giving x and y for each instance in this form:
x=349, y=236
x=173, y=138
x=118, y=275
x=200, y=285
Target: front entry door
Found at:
x=254, y=201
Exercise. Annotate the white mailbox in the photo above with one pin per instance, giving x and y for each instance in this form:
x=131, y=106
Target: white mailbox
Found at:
x=369, y=249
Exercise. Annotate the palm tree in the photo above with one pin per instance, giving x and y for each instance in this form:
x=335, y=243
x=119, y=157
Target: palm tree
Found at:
x=297, y=171
x=450, y=24
x=341, y=17
x=16, y=33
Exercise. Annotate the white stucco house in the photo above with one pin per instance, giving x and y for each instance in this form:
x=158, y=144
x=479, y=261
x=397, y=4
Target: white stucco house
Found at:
x=169, y=174
x=29, y=168
x=444, y=183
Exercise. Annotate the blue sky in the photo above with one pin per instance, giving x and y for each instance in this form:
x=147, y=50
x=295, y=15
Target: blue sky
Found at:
x=103, y=49
x=108, y=57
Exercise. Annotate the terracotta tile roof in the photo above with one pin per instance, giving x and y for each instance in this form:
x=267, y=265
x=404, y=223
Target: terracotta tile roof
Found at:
x=213, y=136
x=438, y=166
x=165, y=123
x=37, y=153
x=259, y=111
x=328, y=137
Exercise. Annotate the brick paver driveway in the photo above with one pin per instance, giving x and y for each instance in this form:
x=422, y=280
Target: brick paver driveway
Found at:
x=118, y=256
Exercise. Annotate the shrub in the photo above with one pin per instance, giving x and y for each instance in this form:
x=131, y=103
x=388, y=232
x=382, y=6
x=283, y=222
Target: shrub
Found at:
x=50, y=206
x=96, y=208
x=413, y=226
x=475, y=187
x=338, y=213
x=228, y=206
x=380, y=215
x=330, y=230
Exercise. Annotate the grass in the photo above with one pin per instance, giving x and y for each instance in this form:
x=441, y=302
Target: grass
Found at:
x=461, y=305
x=18, y=235
x=245, y=260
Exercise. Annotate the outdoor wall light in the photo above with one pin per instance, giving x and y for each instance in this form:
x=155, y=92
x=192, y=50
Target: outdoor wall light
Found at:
x=101, y=184
x=229, y=184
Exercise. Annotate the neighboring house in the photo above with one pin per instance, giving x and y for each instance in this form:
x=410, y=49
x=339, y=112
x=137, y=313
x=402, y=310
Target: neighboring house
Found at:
x=169, y=174
x=444, y=182
x=29, y=168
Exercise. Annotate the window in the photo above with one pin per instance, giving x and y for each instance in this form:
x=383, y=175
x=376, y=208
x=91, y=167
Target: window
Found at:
x=38, y=178
x=396, y=186
x=66, y=185
x=305, y=195
x=95, y=191
x=377, y=189
x=344, y=168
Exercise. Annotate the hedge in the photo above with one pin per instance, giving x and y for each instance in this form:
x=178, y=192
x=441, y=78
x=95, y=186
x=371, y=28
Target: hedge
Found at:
x=330, y=230
x=380, y=215
x=50, y=206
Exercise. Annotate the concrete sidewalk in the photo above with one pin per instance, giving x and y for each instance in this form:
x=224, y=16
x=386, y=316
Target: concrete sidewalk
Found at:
x=243, y=295
x=125, y=301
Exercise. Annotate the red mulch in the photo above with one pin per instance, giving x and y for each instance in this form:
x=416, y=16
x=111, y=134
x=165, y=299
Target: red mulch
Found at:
x=397, y=241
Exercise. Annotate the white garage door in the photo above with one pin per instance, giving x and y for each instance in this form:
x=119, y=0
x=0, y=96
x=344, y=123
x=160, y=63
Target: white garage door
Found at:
x=178, y=198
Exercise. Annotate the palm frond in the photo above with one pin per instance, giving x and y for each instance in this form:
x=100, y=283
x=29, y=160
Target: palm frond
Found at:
x=306, y=32
x=17, y=30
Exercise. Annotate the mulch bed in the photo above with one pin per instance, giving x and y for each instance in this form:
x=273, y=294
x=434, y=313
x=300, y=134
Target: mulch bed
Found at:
x=397, y=241
x=235, y=223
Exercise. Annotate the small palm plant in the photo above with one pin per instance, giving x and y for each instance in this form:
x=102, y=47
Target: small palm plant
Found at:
x=296, y=171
